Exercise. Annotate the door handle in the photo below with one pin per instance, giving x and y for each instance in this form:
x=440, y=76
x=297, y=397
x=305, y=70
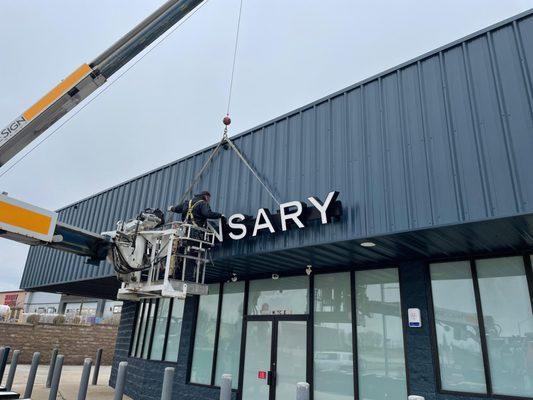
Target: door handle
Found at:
x=271, y=378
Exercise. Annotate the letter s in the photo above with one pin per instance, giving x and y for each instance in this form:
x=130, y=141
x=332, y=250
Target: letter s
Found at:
x=232, y=222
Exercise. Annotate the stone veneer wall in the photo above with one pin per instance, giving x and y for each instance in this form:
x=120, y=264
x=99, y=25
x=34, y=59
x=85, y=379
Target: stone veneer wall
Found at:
x=75, y=342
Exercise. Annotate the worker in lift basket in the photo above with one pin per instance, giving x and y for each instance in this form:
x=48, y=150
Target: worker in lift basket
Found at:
x=197, y=210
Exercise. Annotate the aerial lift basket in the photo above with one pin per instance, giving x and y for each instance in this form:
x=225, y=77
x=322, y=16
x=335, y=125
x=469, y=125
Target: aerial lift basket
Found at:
x=174, y=258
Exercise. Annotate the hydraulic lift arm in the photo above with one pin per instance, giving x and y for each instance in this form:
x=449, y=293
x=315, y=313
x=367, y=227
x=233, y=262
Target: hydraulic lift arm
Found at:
x=87, y=78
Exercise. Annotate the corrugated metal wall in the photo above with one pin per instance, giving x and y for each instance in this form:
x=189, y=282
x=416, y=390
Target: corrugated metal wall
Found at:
x=443, y=139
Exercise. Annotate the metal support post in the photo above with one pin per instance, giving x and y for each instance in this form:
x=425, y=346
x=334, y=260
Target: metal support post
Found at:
x=121, y=380
x=97, y=366
x=166, y=391
x=225, y=387
x=12, y=370
x=31, y=377
x=53, y=358
x=302, y=391
x=82, y=393
x=2, y=351
x=56, y=377
x=4, y=354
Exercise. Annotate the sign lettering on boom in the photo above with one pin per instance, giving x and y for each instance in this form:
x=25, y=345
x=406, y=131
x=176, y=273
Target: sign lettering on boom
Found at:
x=292, y=214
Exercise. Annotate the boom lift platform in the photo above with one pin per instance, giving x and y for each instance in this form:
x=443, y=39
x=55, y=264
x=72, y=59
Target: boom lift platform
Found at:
x=157, y=260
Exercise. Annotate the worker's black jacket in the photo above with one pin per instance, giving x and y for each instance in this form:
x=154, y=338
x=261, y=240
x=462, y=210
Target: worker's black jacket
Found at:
x=201, y=211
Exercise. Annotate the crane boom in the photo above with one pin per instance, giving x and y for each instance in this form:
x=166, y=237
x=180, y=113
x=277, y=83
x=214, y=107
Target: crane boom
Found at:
x=88, y=77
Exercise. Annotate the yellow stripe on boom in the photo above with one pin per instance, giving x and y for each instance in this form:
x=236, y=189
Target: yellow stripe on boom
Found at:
x=25, y=219
x=68, y=83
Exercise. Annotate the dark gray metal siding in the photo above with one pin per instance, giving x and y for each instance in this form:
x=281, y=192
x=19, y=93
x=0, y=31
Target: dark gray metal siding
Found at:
x=444, y=139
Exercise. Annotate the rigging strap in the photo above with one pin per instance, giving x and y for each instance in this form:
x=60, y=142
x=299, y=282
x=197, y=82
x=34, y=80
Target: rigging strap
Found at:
x=227, y=140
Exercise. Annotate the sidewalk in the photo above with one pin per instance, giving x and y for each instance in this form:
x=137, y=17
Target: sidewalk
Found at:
x=68, y=385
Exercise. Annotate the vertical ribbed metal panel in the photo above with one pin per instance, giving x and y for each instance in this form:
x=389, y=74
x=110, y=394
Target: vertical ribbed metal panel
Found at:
x=443, y=139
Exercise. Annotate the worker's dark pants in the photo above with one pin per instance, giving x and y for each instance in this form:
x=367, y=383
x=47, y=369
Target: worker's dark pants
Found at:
x=191, y=264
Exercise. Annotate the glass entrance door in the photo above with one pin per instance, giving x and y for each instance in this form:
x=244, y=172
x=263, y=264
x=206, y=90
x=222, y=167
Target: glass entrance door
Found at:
x=257, y=361
x=275, y=359
x=291, y=363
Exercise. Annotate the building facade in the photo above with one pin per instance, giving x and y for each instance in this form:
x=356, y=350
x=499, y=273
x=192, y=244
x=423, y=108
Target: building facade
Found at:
x=423, y=285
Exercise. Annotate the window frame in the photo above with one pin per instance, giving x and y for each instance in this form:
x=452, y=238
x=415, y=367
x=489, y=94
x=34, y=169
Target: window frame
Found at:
x=526, y=259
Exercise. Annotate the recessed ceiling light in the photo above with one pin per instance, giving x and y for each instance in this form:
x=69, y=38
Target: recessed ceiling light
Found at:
x=368, y=244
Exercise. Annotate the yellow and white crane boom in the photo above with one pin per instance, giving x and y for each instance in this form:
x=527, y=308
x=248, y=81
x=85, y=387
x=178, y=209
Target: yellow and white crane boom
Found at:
x=87, y=78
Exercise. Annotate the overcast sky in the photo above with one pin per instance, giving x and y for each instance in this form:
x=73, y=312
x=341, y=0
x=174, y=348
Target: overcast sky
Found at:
x=171, y=103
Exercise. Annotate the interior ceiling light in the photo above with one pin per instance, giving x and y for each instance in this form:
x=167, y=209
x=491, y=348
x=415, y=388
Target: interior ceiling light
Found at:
x=368, y=244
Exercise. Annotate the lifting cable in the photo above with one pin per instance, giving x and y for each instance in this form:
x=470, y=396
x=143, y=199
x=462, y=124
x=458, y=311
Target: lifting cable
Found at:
x=225, y=139
x=234, y=58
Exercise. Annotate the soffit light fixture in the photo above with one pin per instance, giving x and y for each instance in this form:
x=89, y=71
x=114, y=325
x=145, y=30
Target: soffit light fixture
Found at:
x=368, y=244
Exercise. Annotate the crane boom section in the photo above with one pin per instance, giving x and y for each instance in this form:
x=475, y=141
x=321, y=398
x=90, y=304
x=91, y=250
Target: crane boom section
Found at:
x=87, y=78
x=26, y=221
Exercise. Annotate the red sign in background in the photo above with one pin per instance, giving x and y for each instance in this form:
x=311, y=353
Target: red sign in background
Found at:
x=11, y=300
x=261, y=375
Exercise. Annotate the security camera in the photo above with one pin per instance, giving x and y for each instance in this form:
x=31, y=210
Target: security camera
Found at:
x=309, y=270
x=234, y=277
x=275, y=276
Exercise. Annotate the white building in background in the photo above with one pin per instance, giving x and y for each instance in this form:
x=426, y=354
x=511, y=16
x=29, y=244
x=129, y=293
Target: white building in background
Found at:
x=55, y=303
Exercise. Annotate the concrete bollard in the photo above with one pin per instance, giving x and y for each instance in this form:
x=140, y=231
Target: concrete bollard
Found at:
x=82, y=393
x=97, y=366
x=225, y=387
x=166, y=391
x=53, y=358
x=31, y=377
x=302, y=391
x=4, y=354
x=121, y=380
x=56, y=377
x=12, y=370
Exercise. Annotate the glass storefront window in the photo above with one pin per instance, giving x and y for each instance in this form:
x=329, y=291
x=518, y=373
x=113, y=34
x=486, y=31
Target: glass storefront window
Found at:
x=283, y=296
x=149, y=327
x=142, y=331
x=174, y=330
x=380, y=350
x=508, y=324
x=457, y=329
x=160, y=329
x=333, y=354
x=204, y=340
x=153, y=316
x=229, y=338
x=137, y=328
